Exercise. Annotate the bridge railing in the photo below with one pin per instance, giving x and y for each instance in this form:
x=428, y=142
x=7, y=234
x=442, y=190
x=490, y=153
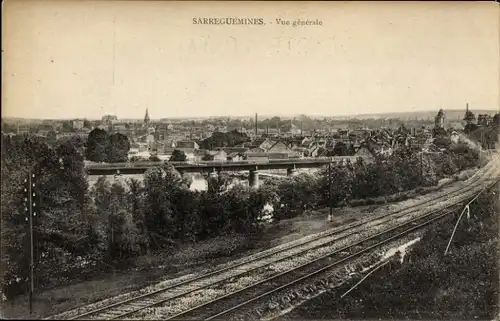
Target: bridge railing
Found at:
x=305, y=160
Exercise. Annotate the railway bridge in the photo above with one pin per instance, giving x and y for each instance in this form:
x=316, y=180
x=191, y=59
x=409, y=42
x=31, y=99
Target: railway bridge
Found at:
x=214, y=167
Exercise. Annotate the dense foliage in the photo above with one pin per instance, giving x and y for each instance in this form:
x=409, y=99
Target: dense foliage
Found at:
x=178, y=156
x=104, y=147
x=219, y=139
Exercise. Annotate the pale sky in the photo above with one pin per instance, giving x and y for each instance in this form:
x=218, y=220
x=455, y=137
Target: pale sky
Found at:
x=84, y=59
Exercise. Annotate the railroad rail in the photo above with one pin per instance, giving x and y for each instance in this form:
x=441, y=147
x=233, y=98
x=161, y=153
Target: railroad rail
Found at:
x=255, y=263
x=223, y=306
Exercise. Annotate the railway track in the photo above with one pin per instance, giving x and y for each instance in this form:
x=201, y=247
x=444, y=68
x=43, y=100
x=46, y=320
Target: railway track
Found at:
x=222, y=307
x=257, y=263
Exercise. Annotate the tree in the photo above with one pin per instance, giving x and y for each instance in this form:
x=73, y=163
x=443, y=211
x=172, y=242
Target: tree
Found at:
x=51, y=138
x=207, y=157
x=178, y=156
x=296, y=195
x=117, y=148
x=341, y=180
x=442, y=142
x=122, y=234
x=160, y=189
x=135, y=197
x=76, y=141
x=152, y=158
x=97, y=144
x=8, y=128
x=438, y=131
x=496, y=119
x=61, y=229
x=470, y=127
x=219, y=139
x=469, y=117
x=67, y=127
x=340, y=149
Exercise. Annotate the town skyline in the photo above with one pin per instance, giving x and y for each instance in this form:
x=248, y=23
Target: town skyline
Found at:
x=417, y=114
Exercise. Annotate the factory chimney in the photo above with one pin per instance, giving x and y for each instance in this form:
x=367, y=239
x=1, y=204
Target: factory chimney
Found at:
x=256, y=125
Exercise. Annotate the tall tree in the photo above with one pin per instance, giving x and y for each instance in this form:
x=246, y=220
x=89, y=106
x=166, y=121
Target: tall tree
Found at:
x=340, y=149
x=178, y=156
x=97, y=144
x=117, y=148
x=60, y=226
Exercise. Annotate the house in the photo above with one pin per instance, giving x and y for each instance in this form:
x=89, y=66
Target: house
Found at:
x=262, y=143
x=219, y=155
x=139, y=154
x=314, y=151
x=305, y=142
x=377, y=147
x=235, y=156
x=171, y=142
x=189, y=152
x=272, y=155
x=165, y=150
x=154, y=146
x=365, y=153
x=294, y=130
x=120, y=128
x=78, y=124
x=108, y=119
x=484, y=119
x=189, y=144
x=230, y=150
x=302, y=151
x=279, y=147
x=256, y=156
x=150, y=138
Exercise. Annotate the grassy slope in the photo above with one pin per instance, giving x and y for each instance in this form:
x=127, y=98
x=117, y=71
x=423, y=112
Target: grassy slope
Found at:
x=428, y=285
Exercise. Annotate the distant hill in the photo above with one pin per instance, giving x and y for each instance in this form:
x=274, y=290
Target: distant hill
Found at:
x=450, y=114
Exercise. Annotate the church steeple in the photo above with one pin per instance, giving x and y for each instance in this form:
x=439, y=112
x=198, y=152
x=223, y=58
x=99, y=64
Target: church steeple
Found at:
x=146, y=118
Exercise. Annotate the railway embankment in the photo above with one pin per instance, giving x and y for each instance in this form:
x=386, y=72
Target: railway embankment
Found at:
x=427, y=283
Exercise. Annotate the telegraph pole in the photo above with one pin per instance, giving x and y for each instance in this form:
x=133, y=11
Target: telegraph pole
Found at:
x=30, y=208
x=330, y=216
x=422, y=166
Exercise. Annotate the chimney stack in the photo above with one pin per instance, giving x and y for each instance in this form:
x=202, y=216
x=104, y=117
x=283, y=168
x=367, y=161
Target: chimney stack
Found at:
x=256, y=125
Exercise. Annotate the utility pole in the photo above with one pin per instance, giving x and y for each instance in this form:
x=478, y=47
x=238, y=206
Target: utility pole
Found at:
x=330, y=215
x=422, y=166
x=29, y=208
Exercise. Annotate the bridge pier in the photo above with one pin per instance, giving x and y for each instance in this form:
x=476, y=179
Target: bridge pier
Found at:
x=253, y=178
x=213, y=174
x=292, y=171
